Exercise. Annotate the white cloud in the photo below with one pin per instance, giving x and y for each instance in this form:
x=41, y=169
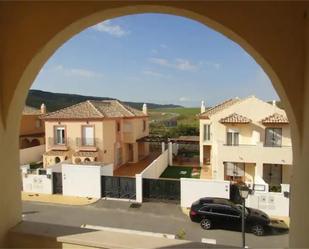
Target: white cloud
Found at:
x=79, y=72
x=152, y=73
x=213, y=64
x=112, y=29
x=184, y=99
x=179, y=64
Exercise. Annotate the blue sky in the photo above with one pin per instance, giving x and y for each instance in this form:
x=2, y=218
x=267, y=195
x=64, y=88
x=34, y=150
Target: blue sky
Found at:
x=154, y=58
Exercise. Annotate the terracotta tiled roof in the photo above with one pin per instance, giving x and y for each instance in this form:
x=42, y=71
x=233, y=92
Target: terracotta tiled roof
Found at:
x=95, y=109
x=219, y=107
x=275, y=118
x=28, y=110
x=235, y=119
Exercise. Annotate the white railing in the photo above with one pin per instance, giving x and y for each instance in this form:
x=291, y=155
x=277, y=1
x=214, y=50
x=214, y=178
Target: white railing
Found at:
x=256, y=153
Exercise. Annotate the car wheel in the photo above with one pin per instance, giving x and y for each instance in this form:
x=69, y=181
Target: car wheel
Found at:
x=206, y=224
x=258, y=230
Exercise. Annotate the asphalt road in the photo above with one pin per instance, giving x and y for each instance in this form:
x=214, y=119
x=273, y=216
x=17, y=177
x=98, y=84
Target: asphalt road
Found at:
x=152, y=217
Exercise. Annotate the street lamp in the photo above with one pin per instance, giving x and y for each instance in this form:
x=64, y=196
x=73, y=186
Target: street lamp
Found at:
x=244, y=192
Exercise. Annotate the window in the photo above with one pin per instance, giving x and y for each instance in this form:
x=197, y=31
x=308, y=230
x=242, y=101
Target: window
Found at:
x=206, y=132
x=88, y=135
x=144, y=125
x=273, y=137
x=232, y=137
x=60, y=135
x=38, y=123
x=234, y=171
x=118, y=127
x=272, y=174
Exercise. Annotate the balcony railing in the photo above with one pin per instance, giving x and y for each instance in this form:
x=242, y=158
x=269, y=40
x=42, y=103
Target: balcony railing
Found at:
x=255, y=153
x=86, y=144
x=55, y=145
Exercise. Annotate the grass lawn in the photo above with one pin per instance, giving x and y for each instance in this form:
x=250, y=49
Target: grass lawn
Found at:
x=178, y=172
x=183, y=115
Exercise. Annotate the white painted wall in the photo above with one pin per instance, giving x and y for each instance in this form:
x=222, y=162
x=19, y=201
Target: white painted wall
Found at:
x=139, y=188
x=107, y=170
x=194, y=189
x=32, y=154
x=156, y=168
x=82, y=181
x=33, y=183
x=274, y=204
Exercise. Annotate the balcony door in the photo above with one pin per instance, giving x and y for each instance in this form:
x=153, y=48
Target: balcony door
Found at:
x=88, y=136
x=232, y=137
x=60, y=135
x=273, y=137
x=272, y=174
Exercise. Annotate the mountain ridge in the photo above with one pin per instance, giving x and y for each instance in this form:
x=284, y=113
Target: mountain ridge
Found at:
x=56, y=101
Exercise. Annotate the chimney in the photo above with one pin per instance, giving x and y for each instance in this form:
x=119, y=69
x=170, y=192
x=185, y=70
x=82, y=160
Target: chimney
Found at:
x=203, y=107
x=43, y=108
x=145, y=109
x=274, y=103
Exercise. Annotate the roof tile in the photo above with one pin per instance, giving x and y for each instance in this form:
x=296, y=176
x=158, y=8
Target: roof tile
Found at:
x=235, y=118
x=275, y=118
x=95, y=109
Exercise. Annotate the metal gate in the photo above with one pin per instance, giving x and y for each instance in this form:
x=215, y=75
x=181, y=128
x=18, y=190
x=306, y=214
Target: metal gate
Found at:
x=118, y=187
x=163, y=190
x=57, y=183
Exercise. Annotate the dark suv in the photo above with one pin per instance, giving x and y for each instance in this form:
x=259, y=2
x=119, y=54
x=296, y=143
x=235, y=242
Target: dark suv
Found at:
x=222, y=213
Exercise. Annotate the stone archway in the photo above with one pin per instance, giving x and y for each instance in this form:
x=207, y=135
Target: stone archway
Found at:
x=279, y=48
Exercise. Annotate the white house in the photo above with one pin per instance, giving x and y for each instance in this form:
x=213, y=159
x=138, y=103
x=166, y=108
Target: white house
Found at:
x=246, y=140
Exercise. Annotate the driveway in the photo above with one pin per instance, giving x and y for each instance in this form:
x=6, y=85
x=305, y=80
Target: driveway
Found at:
x=152, y=217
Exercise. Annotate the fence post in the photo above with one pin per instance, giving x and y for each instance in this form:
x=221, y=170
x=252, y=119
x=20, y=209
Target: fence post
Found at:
x=170, y=153
x=139, y=188
x=163, y=146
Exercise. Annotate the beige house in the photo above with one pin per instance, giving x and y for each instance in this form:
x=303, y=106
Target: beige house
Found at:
x=96, y=131
x=31, y=127
x=246, y=140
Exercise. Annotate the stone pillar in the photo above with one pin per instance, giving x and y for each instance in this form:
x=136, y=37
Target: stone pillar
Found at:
x=258, y=170
x=170, y=153
x=163, y=146
x=10, y=183
x=139, y=188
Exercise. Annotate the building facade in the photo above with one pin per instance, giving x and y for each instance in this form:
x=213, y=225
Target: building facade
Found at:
x=246, y=140
x=31, y=127
x=96, y=131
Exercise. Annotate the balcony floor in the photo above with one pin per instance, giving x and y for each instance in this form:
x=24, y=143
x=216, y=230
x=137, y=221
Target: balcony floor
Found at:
x=131, y=169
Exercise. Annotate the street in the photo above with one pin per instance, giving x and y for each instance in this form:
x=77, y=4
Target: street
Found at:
x=151, y=216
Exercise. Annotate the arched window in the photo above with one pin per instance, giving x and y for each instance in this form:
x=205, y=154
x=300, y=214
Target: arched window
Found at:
x=57, y=159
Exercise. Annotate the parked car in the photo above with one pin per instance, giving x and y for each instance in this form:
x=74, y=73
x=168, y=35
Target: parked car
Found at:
x=222, y=213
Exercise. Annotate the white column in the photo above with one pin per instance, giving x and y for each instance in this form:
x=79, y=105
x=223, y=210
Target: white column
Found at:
x=163, y=146
x=139, y=188
x=258, y=170
x=170, y=153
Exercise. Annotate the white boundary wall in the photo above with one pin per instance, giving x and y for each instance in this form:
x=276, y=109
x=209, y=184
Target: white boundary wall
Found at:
x=107, y=170
x=32, y=154
x=34, y=183
x=193, y=189
x=156, y=168
x=272, y=203
x=81, y=180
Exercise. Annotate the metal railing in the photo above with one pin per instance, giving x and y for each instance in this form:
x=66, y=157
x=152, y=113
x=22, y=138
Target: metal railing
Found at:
x=86, y=142
x=51, y=141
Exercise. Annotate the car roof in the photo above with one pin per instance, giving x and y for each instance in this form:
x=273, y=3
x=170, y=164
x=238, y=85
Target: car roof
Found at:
x=214, y=201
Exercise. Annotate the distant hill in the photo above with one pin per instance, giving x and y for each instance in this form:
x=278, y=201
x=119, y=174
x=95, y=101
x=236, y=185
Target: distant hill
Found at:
x=56, y=101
